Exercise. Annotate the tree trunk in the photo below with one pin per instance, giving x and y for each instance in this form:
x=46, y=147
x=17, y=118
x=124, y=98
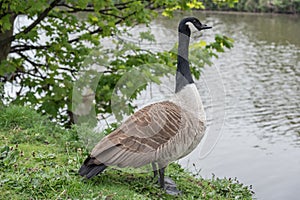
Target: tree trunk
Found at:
x=4, y=49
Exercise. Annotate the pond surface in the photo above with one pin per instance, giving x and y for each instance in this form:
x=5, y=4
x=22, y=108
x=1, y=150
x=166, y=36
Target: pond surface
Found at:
x=251, y=95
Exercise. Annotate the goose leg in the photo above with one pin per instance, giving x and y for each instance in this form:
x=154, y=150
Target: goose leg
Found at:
x=162, y=177
x=154, y=169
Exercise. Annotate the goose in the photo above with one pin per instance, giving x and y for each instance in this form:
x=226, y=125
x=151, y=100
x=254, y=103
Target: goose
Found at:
x=161, y=132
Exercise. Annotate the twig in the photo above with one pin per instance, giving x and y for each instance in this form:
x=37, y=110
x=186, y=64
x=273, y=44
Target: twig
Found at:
x=32, y=25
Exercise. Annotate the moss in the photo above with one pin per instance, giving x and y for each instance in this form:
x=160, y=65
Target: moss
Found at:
x=39, y=160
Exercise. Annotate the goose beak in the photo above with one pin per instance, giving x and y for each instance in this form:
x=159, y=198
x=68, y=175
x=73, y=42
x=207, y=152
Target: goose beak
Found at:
x=204, y=26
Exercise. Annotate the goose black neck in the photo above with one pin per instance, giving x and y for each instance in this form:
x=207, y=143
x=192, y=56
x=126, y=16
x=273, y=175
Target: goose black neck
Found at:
x=183, y=74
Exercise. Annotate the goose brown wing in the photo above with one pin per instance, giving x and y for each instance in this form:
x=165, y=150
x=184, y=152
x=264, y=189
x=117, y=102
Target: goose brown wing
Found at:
x=137, y=140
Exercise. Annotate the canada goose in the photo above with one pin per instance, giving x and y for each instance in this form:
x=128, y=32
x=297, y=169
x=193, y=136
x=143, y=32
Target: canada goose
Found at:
x=161, y=132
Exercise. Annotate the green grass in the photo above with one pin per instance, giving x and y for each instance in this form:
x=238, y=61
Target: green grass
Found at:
x=40, y=160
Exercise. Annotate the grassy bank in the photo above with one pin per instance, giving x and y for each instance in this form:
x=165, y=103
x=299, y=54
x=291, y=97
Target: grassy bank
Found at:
x=39, y=160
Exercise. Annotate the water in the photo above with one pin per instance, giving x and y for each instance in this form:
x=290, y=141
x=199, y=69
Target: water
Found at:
x=251, y=97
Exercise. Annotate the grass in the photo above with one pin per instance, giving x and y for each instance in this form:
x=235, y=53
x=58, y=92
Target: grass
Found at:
x=40, y=160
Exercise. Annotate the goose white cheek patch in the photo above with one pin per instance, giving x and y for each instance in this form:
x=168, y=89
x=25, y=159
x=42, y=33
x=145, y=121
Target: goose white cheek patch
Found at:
x=191, y=26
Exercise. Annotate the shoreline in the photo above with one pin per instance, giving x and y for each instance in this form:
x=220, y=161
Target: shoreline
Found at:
x=247, y=13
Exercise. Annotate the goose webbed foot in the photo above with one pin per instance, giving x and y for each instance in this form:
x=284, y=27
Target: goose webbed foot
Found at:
x=170, y=187
x=166, y=183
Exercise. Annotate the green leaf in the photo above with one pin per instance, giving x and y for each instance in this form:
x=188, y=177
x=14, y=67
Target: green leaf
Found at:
x=82, y=3
x=5, y=23
x=147, y=35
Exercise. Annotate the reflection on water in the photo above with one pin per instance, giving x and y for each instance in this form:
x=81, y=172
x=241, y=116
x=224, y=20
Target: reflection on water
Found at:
x=276, y=94
x=264, y=75
x=258, y=113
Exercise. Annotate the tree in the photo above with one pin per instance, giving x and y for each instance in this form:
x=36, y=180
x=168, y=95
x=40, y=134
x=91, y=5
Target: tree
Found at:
x=44, y=71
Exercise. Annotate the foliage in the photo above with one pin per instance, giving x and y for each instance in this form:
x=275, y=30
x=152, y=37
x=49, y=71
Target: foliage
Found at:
x=47, y=168
x=44, y=58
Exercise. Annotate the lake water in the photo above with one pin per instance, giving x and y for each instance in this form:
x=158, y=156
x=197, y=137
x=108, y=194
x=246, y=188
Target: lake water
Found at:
x=251, y=95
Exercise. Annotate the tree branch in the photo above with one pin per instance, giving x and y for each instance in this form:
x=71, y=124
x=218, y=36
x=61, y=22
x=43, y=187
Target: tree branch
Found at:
x=34, y=24
x=119, y=6
x=35, y=65
x=20, y=48
x=74, y=9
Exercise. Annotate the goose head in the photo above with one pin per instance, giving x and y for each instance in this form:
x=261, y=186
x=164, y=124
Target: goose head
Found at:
x=186, y=23
x=183, y=74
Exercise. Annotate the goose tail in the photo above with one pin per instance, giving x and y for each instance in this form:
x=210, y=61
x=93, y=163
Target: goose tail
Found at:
x=90, y=169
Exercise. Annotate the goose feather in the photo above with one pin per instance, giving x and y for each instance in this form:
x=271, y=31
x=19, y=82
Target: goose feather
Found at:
x=160, y=132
